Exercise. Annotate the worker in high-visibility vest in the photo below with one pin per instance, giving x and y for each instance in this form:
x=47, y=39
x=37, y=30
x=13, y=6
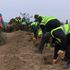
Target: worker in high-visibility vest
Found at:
x=47, y=23
x=61, y=38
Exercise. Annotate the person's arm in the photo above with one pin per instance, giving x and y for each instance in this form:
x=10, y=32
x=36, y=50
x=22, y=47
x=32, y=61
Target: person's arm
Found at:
x=45, y=39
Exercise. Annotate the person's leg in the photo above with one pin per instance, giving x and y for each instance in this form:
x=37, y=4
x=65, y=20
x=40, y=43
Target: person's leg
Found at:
x=35, y=32
x=67, y=57
x=42, y=43
x=68, y=47
x=67, y=53
x=56, y=49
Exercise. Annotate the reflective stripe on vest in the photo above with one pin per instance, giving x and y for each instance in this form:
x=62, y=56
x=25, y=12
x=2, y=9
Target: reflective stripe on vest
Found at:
x=65, y=28
x=58, y=40
x=55, y=30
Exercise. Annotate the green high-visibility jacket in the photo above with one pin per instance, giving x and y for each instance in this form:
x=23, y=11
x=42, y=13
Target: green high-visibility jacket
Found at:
x=34, y=24
x=40, y=32
x=46, y=19
x=65, y=28
x=18, y=21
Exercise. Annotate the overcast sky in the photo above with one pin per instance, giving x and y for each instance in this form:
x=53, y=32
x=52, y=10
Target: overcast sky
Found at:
x=57, y=8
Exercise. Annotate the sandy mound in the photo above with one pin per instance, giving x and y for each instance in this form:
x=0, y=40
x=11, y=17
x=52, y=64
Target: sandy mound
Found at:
x=18, y=54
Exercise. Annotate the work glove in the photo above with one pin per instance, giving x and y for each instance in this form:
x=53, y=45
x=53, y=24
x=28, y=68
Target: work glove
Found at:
x=61, y=54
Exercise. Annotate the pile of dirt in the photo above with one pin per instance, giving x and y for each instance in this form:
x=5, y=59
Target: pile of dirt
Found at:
x=18, y=54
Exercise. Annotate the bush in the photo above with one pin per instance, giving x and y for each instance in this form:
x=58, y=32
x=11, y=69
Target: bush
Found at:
x=2, y=38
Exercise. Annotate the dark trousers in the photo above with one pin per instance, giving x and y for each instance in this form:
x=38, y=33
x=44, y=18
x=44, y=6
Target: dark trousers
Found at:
x=67, y=49
x=56, y=49
x=35, y=29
